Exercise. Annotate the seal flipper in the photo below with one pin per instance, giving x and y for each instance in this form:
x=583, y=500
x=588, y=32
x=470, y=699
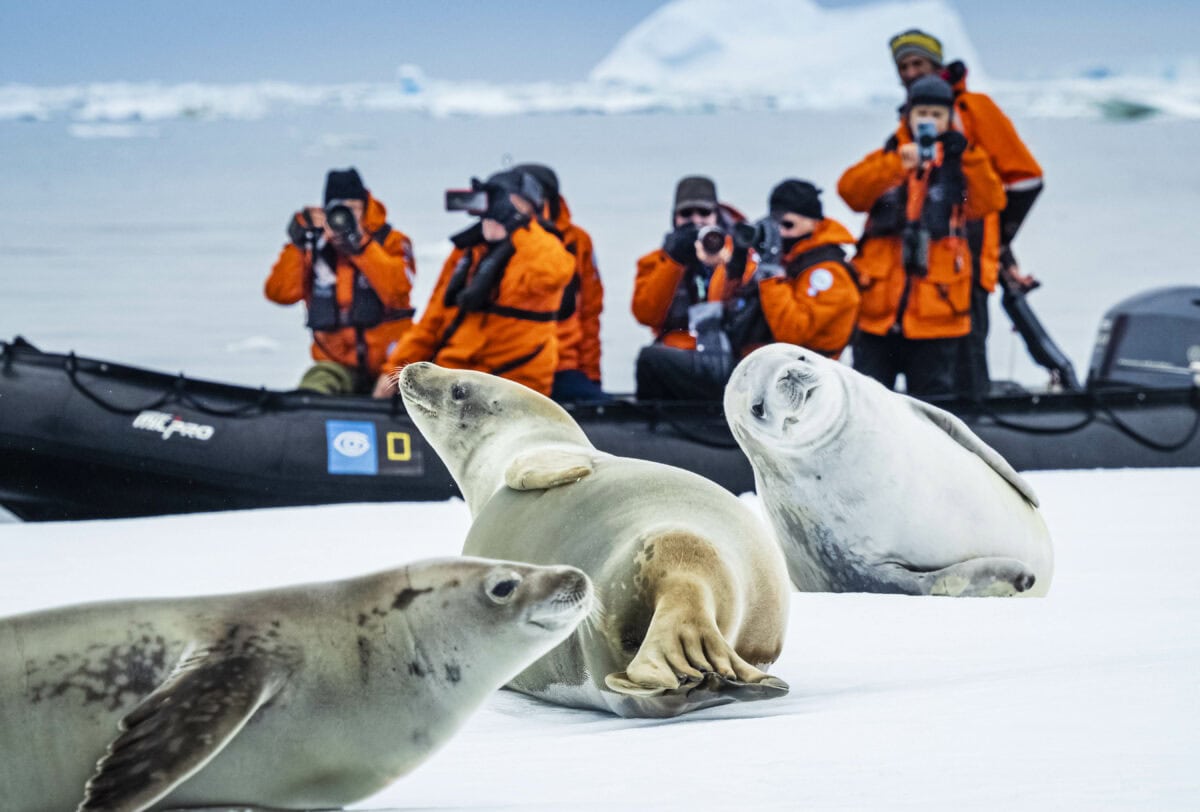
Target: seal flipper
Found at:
x=547, y=468
x=962, y=434
x=981, y=578
x=179, y=727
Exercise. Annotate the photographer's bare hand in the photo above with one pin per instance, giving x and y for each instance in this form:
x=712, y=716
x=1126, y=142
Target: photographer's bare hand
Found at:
x=909, y=154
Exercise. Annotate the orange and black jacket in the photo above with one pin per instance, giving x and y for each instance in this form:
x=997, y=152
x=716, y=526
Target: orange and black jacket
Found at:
x=583, y=301
x=814, y=305
x=935, y=303
x=514, y=334
x=985, y=124
x=371, y=293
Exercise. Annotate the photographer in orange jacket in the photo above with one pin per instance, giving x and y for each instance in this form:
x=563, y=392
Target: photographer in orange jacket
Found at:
x=914, y=260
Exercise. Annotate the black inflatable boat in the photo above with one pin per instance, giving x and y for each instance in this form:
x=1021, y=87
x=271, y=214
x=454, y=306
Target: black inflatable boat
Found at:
x=82, y=438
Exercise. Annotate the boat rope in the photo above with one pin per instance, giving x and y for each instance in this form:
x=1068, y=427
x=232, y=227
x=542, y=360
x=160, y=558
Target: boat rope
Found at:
x=1142, y=439
x=177, y=393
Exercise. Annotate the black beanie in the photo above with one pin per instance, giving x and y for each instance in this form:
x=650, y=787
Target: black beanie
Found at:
x=514, y=181
x=931, y=90
x=543, y=175
x=796, y=196
x=344, y=184
x=695, y=190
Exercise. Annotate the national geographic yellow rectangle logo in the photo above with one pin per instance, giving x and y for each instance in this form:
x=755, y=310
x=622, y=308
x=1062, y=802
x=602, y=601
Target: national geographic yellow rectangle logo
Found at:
x=399, y=446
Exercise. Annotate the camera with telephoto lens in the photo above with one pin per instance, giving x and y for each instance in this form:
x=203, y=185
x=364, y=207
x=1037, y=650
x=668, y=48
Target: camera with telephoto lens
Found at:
x=926, y=138
x=712, y=239
x=748, y=235
x=472, y=201
x=341, y=221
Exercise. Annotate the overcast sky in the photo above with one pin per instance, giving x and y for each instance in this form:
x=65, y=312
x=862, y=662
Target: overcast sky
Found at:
x=62, y=41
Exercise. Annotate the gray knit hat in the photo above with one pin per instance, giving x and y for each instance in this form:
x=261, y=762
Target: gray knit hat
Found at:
x=695, y=190
x=931, y=90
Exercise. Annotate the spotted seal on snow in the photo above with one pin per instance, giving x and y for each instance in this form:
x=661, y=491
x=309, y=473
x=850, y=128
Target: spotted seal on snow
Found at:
x=873, y=491
x=303, y=697
x=693, y=588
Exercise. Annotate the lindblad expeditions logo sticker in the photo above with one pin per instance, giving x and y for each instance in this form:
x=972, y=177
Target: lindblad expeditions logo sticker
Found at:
x=169, y=425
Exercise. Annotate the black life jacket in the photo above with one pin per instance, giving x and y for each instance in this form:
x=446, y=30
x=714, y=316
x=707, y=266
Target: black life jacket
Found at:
x=366, y=309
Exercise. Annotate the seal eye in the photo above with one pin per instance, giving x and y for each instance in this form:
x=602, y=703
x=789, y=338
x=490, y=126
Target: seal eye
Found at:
x=458, y=392
x=756, y=409
x=501, y=586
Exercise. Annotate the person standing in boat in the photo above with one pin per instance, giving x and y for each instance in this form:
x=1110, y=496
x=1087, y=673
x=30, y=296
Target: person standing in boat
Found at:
x=917, y=54
x=914, y=260
x=495, y=306
x=804, y=291
x=678, y=293
x=354, y=272
x=577, y=379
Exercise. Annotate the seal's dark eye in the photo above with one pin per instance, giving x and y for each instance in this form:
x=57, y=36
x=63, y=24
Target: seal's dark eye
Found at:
x=756, y=409
x=501, y=585
x=458, y=391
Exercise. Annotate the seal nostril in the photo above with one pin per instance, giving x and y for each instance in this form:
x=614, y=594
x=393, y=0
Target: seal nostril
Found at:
x=756, y=409
x=458, y=391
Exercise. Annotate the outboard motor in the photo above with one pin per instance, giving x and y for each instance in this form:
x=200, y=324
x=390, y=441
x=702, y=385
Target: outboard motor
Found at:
x=1150, y=340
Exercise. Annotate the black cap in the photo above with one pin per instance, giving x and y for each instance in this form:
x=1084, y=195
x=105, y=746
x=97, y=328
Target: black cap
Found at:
x=931, y=90
x=517, y=182
x=796, y=196
x=344, y=184
x=695, y=190
x=544, y=175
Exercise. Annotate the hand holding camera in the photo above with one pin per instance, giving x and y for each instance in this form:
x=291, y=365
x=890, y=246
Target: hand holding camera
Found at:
x=680, y=244
x=501, y=210
x=926, y=136
x=304, y=228
x=954, y=144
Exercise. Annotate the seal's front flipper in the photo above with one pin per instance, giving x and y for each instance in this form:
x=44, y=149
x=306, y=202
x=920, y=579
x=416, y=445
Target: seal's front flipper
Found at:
x=547, y=468
x=981, y=578
x=179, y=727
x=620, y=682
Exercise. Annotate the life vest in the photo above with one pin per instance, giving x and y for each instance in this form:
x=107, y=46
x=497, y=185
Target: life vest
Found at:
x=366, y=309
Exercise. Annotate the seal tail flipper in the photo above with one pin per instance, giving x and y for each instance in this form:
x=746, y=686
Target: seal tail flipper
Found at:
x=547, y=468
x=980, y=577
x=178, y=728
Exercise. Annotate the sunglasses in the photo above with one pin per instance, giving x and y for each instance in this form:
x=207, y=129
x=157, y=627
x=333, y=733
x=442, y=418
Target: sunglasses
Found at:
x=694, y=211
x=788, y=224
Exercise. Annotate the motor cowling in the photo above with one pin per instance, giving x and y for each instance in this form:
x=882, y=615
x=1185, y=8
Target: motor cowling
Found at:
x=1149, y=340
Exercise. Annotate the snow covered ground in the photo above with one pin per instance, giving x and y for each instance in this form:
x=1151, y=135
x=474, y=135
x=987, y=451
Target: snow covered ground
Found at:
x=1087, y=699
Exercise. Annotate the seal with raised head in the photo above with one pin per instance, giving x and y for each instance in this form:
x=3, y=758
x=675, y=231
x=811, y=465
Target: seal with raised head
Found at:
x=873, y=491
x=303, y=697
x=692, y=588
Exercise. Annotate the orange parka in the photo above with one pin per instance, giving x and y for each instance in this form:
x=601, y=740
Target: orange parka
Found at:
x=985, y=124
x=655, y=296
x=936, y=305
x=816, y=304
x=387, y=264
x=579, y=333
x=516, y=335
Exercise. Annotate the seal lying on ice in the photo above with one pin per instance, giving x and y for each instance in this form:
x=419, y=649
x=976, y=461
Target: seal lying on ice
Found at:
x=303, y=697
x=872, y=491
x=693, y=588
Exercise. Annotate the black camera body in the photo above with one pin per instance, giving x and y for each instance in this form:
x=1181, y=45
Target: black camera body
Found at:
x=472, y=201
x=914, y=249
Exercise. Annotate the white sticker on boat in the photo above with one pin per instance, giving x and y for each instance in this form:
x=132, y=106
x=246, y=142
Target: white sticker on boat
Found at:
x=169, y=425
x=352, y=443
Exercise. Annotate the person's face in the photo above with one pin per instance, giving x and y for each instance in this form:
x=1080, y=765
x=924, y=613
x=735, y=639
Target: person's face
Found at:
x=699, y=215
x=913, y=67
x=939, y=115
x=522, y=205
x=794, y=226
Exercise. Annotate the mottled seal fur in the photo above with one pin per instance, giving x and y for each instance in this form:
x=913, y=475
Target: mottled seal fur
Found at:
x=873, y=491
x=303, y=697
x=693, y=588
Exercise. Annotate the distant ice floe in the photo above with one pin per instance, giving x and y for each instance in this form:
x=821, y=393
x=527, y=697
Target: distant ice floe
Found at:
x=689, y=56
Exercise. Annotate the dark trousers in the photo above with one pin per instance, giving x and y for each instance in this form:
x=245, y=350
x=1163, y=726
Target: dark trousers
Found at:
x=974, y=381
x=667, y=373
x=572, y=386
x=929, y=365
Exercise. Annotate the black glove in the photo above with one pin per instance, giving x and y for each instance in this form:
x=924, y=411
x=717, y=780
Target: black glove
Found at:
x=297, y=232
x=478, y=292
x=954, y=144
x=680, y=244
x=501, y=209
